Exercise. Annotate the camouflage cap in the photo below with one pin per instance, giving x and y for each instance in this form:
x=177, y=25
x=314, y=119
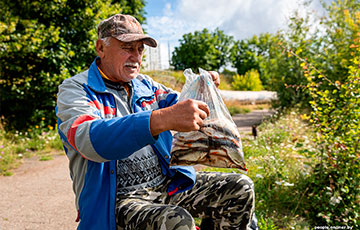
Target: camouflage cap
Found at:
x=124, y=28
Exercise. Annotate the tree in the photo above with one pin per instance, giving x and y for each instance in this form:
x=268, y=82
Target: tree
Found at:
x=249, y=54
x=326, y=45
x=42, y=43
x=208, y=50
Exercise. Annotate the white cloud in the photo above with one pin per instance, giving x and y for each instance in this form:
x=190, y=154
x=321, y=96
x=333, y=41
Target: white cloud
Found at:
x=239, y=18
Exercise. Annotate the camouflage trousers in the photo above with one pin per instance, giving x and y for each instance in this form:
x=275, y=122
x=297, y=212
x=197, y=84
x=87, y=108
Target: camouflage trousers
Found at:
x=227, y=198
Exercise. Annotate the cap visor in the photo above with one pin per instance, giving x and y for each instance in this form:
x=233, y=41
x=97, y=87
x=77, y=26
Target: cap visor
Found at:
x=137, y=37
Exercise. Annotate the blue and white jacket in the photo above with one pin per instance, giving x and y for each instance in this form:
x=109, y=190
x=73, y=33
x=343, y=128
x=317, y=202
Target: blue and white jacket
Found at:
x=95, y=135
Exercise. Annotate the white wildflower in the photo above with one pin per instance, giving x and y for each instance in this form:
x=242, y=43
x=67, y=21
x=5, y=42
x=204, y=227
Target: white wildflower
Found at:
x=288, y=184
x=259, y=176
x=335, y=200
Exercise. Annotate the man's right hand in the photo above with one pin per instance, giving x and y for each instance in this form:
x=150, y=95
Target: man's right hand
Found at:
x=184, y=116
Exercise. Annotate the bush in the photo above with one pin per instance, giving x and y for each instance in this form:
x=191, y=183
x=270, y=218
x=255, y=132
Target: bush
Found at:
x=333, y=188
x=248, y=82
x=334, y=194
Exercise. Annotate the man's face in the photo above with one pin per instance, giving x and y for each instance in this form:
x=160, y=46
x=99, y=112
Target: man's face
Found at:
x=121, y=61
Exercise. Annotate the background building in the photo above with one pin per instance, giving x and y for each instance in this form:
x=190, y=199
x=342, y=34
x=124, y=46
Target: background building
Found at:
x=152, y=58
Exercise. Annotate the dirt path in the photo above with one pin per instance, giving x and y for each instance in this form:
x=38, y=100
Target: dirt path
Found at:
x=39, y=195
x=244, y=122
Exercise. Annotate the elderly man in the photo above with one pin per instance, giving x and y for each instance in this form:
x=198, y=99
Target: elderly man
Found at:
x=115, y=127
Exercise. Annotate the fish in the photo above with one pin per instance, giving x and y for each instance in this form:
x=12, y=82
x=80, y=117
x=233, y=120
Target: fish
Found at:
x=217, y=144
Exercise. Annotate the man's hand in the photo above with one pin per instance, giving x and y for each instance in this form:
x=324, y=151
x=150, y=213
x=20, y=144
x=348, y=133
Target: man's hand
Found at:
x=215, y=77
x=184, y=116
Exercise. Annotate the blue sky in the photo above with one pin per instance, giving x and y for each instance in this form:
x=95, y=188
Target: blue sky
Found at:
x=169, y=20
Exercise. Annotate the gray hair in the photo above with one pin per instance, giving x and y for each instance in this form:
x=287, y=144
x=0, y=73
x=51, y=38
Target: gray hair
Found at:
x=106, y=40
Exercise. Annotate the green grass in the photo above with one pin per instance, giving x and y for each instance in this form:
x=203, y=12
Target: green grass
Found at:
x=172, y=79
x=238, y=110
x=176, y=79
x=16, y=146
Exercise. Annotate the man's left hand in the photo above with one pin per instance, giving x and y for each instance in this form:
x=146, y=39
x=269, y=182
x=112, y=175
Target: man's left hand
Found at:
x=216, y=78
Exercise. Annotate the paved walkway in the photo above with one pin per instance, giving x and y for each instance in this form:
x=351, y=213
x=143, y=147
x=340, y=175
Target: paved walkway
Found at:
x=38, y=196
x=244, y=122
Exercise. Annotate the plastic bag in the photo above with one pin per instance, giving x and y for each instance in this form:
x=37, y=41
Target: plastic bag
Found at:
x=218, y=142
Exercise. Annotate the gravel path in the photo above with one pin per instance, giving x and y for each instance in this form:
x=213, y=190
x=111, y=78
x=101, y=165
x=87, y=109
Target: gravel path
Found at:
x=39, y=195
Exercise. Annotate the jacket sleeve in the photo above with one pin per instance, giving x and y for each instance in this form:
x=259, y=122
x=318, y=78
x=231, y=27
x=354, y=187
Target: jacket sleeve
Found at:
x=93, y=137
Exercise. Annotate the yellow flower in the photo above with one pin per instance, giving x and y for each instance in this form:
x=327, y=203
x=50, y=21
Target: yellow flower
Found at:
x=304, y=117
x=43, y=118
x=36, y=126
x=50, y=127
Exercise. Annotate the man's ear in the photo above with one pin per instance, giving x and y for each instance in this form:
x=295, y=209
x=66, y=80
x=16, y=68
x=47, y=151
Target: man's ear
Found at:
x=100, y=48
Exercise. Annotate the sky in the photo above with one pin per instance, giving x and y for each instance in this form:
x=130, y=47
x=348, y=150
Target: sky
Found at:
x=168, y=20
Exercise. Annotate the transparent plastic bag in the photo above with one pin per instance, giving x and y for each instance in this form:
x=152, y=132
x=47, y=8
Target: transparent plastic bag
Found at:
x=218, y=142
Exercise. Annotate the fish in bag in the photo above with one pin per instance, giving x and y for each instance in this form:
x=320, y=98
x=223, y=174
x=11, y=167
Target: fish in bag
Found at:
x=217, y=143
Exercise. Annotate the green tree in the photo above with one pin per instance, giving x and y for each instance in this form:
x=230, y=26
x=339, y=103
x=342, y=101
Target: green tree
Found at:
x=250, y=54
x=43, y=42
x=208, y=50
x=338, y=32
x=325, y=45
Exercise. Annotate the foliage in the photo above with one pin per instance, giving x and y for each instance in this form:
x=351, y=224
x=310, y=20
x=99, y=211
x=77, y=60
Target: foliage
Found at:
x=266, y=224
x=42, y=43
x=176, y=79
x=284, y=73
x=172, y=79
x=238, y=110
x=324, y=41
x=249, y=81
x=250, y=54
x=204, y=49
x=336, y=117
x=38, y=141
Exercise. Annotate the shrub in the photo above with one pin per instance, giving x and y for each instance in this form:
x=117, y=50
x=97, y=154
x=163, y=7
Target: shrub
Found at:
x=334, y=186
x=336, y=117
x=250, y=81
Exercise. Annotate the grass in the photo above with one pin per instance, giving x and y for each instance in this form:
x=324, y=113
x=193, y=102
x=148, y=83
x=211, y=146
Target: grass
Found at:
x=172, y=79
x=279, y=161
x=176, y=79
x=16, y=146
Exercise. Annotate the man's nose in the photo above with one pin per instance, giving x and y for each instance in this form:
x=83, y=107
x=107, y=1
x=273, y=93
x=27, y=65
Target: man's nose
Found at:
x=136, y=54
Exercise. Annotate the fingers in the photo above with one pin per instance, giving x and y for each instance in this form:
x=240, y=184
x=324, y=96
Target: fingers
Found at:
x=187, y=115
x=200, y=114
x=204, y=109
x=215, y=77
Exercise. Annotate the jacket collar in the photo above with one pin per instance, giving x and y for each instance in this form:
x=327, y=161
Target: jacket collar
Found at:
x=95, y=80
